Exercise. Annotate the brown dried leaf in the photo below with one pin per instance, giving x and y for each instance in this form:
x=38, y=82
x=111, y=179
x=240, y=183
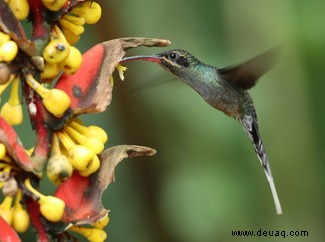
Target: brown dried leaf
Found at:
x=111, y=157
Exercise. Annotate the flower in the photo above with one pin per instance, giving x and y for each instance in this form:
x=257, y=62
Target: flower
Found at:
x=12, y=110
x=59, y=84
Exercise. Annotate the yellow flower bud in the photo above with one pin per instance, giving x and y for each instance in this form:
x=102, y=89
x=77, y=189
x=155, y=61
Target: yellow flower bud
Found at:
x=54, y=5
x=5, y=209
x=78, y=20
x=95, y=131
x=7, y=215
x=121, y=69
x=97, y=235
x=56, y=51
x=58, y=169
x=12, y=110
x=91, y=131
x=3, y=151
x=12, y=114
x=93, y=13
x=65, y=140
x=81, y=8
x=80, y=157
x=52, y=208
x=93, y=143
x=50, y=71
x=20, y=8
x=93, y=167
x=56, y=102
x=20, y=220
x=74, y=28
x=72, y=63
x=7, y=159
x=70, y=37
x=92, y=234
x=8, y=51
x=102, y=223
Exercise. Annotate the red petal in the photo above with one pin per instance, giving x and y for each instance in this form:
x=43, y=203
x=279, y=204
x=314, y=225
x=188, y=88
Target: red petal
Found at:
x=7, y=233
x=14, y=147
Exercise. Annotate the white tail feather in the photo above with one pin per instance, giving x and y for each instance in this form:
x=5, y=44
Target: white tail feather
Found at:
x=274, y=194
x=249, y=123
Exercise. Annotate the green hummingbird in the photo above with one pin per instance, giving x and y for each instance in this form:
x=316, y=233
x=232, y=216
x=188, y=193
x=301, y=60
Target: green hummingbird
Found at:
x=225, y=89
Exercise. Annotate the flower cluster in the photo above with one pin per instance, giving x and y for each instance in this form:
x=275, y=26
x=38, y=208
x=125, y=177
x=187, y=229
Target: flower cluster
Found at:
x=80, y=148
x=74, y=146
x=11, y=210
x=58, y=84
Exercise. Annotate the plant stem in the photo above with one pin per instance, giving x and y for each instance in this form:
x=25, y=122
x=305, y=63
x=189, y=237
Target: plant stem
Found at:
x=40, y=36
x=41, y=27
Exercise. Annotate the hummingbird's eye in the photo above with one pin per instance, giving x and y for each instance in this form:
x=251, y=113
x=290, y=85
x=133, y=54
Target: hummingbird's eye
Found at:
x=173, y=56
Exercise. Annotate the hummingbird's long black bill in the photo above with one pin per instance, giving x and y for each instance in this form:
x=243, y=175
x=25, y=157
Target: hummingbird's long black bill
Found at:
x=151, y=58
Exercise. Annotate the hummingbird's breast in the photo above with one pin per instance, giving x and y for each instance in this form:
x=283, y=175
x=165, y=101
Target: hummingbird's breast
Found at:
x=217, y=92
x=224, y=97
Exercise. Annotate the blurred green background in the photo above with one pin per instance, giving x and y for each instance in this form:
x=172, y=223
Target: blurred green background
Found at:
x=205, y=180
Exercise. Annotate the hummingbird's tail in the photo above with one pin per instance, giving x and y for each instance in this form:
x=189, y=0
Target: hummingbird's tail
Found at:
x=249, y=123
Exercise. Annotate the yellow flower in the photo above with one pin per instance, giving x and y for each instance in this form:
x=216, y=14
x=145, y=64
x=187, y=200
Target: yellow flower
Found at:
x=52, y=208
x=55, y=101
x=20, y=220
x=12, y=110
x=92, y=234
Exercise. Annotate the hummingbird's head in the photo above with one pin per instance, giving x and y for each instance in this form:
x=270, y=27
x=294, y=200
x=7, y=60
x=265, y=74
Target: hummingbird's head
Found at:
x=175, y=61
x=181, y=64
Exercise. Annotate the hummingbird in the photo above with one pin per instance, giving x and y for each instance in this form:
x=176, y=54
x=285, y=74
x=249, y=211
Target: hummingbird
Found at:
x=225, y=89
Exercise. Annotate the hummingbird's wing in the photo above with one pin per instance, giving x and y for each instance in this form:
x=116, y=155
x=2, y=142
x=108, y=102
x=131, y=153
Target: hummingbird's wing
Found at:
x=250, y=125
x=245, y=75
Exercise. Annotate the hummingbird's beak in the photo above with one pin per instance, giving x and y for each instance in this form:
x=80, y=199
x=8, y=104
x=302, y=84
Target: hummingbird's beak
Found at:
x=151, y=58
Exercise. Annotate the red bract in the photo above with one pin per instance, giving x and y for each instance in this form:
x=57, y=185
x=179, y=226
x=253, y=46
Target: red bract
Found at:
x=14, y=147
x=82, y=195
x=83, y=204
x=89, y=88
x=7, y=233
x=90, y=79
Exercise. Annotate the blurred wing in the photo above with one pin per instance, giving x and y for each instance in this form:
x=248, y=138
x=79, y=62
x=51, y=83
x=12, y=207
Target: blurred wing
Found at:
x=246, y=74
